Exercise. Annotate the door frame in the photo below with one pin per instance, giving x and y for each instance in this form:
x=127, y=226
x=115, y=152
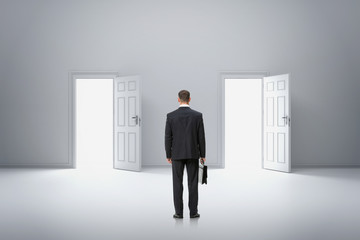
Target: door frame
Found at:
x=73, y=75
x=221, y=108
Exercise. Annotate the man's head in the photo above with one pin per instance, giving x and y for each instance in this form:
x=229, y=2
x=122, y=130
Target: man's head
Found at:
x=184, y=97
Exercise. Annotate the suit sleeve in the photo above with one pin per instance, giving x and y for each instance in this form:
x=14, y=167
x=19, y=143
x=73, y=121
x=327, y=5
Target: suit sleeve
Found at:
x=201, y=138
x=168, y=138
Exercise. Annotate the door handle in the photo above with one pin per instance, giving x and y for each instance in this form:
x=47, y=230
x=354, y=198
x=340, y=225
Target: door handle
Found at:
x=136, y=119
x=287, y=120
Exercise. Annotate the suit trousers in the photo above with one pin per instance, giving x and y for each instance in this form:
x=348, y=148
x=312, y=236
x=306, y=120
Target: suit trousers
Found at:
x=192, y=169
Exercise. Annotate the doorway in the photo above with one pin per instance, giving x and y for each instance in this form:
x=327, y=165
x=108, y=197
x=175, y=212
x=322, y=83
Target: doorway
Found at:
x=91, y=119
x=254, y=121
x=94, y=123
x=240, y=119
x=112, y=120
x=243, y=123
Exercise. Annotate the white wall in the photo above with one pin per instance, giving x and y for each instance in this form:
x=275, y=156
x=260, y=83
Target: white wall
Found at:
x=179, y=45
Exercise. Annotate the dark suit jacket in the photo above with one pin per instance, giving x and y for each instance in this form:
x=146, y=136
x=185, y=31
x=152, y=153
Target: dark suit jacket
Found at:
x=184, y=134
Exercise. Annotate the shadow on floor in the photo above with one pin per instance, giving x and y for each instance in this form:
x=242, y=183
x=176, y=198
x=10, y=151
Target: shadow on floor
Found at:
x=346, y=173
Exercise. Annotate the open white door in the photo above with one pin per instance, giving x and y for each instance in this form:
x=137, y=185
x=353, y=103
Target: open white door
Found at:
x=276, y=123
x=127, y=123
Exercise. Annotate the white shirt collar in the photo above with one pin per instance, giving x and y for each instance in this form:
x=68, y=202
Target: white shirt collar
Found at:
x=184, y=105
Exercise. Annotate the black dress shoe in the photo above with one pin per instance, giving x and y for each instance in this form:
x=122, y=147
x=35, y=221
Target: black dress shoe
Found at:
x=195, y=216
x=178, y=216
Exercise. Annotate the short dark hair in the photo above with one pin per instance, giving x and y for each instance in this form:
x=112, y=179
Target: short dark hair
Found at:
x=184, y=96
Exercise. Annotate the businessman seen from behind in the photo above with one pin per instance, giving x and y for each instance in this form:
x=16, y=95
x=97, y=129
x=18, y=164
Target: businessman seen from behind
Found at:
x=184, y=145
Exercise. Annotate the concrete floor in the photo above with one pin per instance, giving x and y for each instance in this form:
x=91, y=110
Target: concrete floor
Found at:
x=98, y=202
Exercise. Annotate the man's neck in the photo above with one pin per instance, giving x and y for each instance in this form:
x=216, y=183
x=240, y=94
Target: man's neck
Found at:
x=184, y=105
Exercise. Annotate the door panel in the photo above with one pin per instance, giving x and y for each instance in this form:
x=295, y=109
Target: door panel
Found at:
x=127, y=128
x=276, y=123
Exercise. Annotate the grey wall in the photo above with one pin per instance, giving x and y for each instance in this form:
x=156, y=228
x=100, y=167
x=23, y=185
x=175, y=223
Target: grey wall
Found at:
x=177, y=45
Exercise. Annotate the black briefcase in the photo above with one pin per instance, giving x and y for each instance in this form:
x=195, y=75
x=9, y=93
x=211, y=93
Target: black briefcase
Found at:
x=202, y=173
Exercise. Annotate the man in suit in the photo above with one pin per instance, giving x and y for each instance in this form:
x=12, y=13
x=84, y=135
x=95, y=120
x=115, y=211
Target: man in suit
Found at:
x=184, y=145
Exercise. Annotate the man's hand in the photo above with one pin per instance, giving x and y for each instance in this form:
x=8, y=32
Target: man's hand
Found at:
x=202, y=160
x=169, y=160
